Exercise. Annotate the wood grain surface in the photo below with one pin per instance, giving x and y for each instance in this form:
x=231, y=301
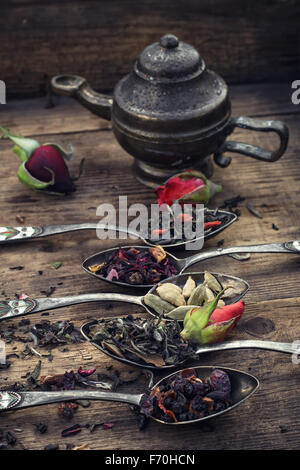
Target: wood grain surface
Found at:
x=270, y=419
x=249, y=41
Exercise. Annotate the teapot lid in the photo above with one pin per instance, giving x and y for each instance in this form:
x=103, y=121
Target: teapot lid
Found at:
x=169, y=60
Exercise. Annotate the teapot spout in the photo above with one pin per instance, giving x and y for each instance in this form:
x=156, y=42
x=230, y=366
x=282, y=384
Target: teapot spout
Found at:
x=77, y=87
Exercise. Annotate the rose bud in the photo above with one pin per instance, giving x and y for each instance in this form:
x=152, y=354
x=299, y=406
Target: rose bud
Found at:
x=222, y=321
x=206, y=325
x=43, y=167
x=189, y=186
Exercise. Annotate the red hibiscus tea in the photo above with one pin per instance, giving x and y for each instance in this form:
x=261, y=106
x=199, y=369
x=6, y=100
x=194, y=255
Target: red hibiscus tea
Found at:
x=136, y=267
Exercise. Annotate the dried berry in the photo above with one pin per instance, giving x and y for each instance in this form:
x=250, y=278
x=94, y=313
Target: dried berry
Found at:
x=66, y=410
x=220, y=381
x=51, y=447
x=185, y=397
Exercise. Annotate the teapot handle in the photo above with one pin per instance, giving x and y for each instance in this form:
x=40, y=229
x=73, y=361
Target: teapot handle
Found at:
x=78, y=87
x=251, y=150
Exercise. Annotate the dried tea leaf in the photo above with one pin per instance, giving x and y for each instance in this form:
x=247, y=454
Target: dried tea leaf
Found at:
x=35, y=373
x=57, y=264
x=254, y=211
x=188, y=287
x=142, y=340
x=155, y=359
x=112, y=348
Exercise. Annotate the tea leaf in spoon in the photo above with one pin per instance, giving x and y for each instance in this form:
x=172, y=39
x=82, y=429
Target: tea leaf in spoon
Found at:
x=112, y=348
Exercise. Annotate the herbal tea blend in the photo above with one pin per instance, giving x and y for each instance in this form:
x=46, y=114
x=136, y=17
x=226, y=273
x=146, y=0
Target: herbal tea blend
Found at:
x=145, y=341
x=134, y=266
x=186, y=397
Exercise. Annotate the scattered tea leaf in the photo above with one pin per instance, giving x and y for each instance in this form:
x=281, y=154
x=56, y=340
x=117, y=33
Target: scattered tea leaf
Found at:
x=20, y=219
x=254, y=211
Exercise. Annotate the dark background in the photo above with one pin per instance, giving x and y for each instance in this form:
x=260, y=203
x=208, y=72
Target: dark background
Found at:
x=244, y=41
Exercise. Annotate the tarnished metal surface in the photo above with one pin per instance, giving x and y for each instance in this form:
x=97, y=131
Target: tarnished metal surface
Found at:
x=171, y=112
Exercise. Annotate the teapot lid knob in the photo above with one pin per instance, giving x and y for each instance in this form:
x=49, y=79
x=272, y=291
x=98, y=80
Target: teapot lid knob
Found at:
x=169, y=41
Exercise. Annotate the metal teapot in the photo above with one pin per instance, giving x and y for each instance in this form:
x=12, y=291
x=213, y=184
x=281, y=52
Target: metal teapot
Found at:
x=171, y=113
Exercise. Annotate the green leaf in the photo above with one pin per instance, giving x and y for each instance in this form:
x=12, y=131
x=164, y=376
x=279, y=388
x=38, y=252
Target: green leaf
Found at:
x=21, y=153
x=216, y=331
x=57, y=264
x=67, y=155
x=25, y=143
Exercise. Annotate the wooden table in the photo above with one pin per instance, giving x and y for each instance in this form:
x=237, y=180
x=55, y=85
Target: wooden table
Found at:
x=270, y=419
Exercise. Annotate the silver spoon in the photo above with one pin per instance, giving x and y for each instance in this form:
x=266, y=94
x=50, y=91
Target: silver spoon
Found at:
x=243, y=385
x=16, y=308
x=23, y=233
x=182, y=264
x=289, y=348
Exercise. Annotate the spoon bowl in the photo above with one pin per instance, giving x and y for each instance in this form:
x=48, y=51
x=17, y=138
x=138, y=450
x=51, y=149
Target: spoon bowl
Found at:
x=240, y=286
x=227, y=218
x=288, y=348
x=180, y=281
x=243, y=385
x=27, y=306
x=10, y=235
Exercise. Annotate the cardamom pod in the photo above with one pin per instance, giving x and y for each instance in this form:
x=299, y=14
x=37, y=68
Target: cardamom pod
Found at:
x=233, y=288
x=212, y=282
x=188, y=287
x=171, y=293
x=179, y=313
x=197, y=297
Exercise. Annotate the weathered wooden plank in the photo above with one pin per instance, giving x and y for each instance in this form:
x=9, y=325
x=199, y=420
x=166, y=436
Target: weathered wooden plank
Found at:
x=244, y=42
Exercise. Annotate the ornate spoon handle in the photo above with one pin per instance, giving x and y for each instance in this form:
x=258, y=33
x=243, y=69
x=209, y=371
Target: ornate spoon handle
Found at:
x=15, y=308
x=291, y=348
x=285, y=247
x=12, y=400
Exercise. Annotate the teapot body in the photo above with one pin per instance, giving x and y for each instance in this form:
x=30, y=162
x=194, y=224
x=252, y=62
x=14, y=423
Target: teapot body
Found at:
x=168, y=127
x=176, y=135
